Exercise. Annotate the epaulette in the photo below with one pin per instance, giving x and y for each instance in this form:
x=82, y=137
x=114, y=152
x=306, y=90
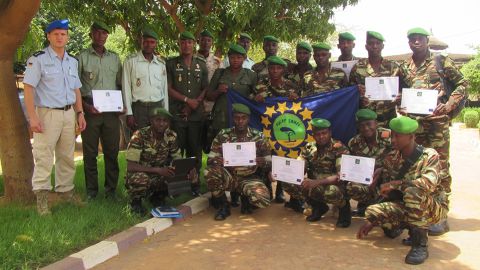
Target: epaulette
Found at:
x=73, y=56
x=36, y=54
x=200, y=58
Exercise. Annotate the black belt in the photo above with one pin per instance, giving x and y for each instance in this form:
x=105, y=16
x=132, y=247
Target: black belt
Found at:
x=148, y=104
x=66, y=108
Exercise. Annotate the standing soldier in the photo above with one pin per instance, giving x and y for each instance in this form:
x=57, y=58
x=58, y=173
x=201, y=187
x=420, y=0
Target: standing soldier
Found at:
x=377, y=66
x=99, y=69
x=144, y=82
x=244, y=40
x=434, y=129
x=324, y=77
x=270, y=47
x=296, y=72
x=246, y=180
x=212, y=62
x=346, y=43
x=187, y=86
x=54, y=103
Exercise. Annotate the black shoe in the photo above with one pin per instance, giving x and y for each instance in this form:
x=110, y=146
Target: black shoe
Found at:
x=157, y=199
x=344, y=216
x=91, y=197
x=419, y=251
x=279, y=198
x=360, y=212
x=234, y=199
x=246, y=207
x=196, y=190
x=394, y=233
x=137, y=208
x=438, y=229
x=318, y=210
x=295, y=204
x=223, y=209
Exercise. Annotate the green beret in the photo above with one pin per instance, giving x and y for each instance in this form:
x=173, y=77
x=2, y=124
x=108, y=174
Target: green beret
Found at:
x=240, y=108
x=365, y=114
x=236, y=49
x=159, y=111
x=320, y=123
x=147, y=32
x=270, y=38
x=245, y=35
x=403, y=125
x=418, y=31
x=206, y=33
x=304, y=45
x=275, y=60
x=321, y=46
x=347, y=36
x=375, y=35
x=101, y=25
x=187, y=35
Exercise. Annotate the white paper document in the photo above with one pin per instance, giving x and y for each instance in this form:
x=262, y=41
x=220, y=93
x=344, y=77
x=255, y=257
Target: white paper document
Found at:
x=239, y=154
x=357, y=169
x=345, y=66
x=107, y=100
x=381, y=88
x=288, y=170
x=419, y=101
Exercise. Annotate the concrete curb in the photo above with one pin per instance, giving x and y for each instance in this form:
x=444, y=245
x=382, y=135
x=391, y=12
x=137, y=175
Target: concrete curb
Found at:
x=121, y=242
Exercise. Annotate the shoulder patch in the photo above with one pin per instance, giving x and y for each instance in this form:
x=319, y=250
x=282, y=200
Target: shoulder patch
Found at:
x=36, y=54
x=385, y=134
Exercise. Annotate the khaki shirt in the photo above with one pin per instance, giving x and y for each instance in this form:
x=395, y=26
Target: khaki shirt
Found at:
x=144, y=81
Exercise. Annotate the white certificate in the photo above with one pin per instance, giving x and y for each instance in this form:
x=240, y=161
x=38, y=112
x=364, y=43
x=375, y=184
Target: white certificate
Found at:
x=288, y=170
x=419, y=101
x=107, y=100
x=239, y=154
x=357, y=169
x=381, y=88
x=345, y=66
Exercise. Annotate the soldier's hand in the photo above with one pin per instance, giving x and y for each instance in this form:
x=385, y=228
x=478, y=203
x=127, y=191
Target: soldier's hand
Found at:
x=166, y=171
x=364, y=101
x=259, y=98
x=292, y=96
x=441, y=109
x=376, y=176
x=402, y=111
x=398, y=99
x=193, y=175
x=361, y=89
x=270, y=177
x=82, y=124
x=223, y=88
x=193, y=103
x=216, y=161
x=131, y=122
x=35, y=125
x=308, y=183
x=364, y=230
x=90, y=109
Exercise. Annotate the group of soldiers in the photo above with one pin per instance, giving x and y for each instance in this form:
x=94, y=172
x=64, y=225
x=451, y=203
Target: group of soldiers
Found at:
x=167, y=103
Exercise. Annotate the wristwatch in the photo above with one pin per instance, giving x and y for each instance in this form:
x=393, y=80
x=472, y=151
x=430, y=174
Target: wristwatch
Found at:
x=185, y=99
x=80, y=112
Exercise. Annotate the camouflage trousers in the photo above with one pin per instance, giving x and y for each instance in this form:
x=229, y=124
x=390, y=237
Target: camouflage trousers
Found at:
x=332, y=194
x=361, y=193
x=418, y=209
x=436, y=134
x=141, y=185
x=219, y=180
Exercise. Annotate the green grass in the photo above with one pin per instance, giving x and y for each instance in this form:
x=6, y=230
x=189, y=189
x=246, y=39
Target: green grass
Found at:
x=29, y=241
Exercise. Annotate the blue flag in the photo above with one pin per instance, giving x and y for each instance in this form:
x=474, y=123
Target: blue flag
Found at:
x=287, y=123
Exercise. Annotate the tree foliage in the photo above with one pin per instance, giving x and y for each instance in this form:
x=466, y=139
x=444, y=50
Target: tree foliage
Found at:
x=471, y=71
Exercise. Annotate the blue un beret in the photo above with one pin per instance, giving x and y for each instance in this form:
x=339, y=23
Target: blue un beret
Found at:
x=58, y=24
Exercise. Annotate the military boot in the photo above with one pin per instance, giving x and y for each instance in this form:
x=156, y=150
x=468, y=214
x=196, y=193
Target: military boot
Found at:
x=392, y=233
x=439, y=228
x=137, y=207
x=318, y=210
x=42, y=202
x=360, y=212
x=234, y=199
x=344, y=216
x=71, y=197
x=279, y=198
x=419, y=251
x=157, y=199
x=295, y=204
x=224, y=208
x=246, y=206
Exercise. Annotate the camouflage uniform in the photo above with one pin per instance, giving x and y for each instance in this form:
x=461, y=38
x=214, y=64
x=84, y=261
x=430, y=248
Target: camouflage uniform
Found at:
x=146, y=150
x=246, y=180
x=293, y=75
x=212, y=62
x=434, y=130
x=320, y=165
x=261, y=68
x=385, y=109
x=359, y=147
x=265, y=89
x=424, y=201
x=314, y=84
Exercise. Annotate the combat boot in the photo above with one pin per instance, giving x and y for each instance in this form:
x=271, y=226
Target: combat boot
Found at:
x=246, y=206
x=157, y=199
x=344, y=216
x=295, y=204
x=438, y=229
x=224, y=208
x=392, y=233
x=234, y=198
x=318, y=210
x=419, y=251
x=279, y=198
x=71, y=197
x=360, y=212
x=137, y=207
x=42, y=202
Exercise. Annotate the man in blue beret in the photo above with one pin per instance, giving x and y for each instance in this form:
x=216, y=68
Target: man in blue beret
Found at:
x=54, y=105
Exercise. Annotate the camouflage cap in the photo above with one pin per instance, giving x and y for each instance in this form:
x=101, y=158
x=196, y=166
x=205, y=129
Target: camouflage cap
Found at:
x=320, y=123
x=418, y=31
x=57, y=24
x=346, y=36
x=304, y=45
x=275, y=60
x=403, y=125
x=206, y=33
x=376, y=35
x=147, y=32
x=187, y=35
x=245, y=35
x=159, y=111
x=321, y=46
x=365, y=114
x=240, y=108
x=101, y=25
x=270, y=38
x=236, y=49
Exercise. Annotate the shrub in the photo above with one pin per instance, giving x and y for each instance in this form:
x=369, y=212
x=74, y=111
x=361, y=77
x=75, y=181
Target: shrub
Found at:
x=460, y=116
x=471, y=119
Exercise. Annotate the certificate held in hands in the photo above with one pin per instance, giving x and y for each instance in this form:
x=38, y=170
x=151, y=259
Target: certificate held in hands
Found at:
x=107, y=100
x=357, y=169
x=288, y=170
x=381, y=88
x=239, y=154
x=419, y=101
x=346, y=66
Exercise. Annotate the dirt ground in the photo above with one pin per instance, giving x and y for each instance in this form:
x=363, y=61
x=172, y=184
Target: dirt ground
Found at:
x=275, y=237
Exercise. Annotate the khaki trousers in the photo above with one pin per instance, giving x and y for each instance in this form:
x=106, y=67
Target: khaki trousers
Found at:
x=56, y=141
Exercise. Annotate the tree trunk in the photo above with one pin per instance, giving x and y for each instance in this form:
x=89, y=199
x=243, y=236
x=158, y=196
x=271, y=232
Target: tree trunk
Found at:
x=15, y=147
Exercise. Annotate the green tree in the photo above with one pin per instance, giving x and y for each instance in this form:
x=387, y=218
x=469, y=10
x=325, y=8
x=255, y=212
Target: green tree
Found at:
x=471, y=70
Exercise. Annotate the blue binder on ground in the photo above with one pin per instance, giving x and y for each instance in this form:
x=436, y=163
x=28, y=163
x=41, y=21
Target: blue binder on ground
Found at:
x=166, y=212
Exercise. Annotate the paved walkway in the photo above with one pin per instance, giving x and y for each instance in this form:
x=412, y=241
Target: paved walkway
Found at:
x=276, y=238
